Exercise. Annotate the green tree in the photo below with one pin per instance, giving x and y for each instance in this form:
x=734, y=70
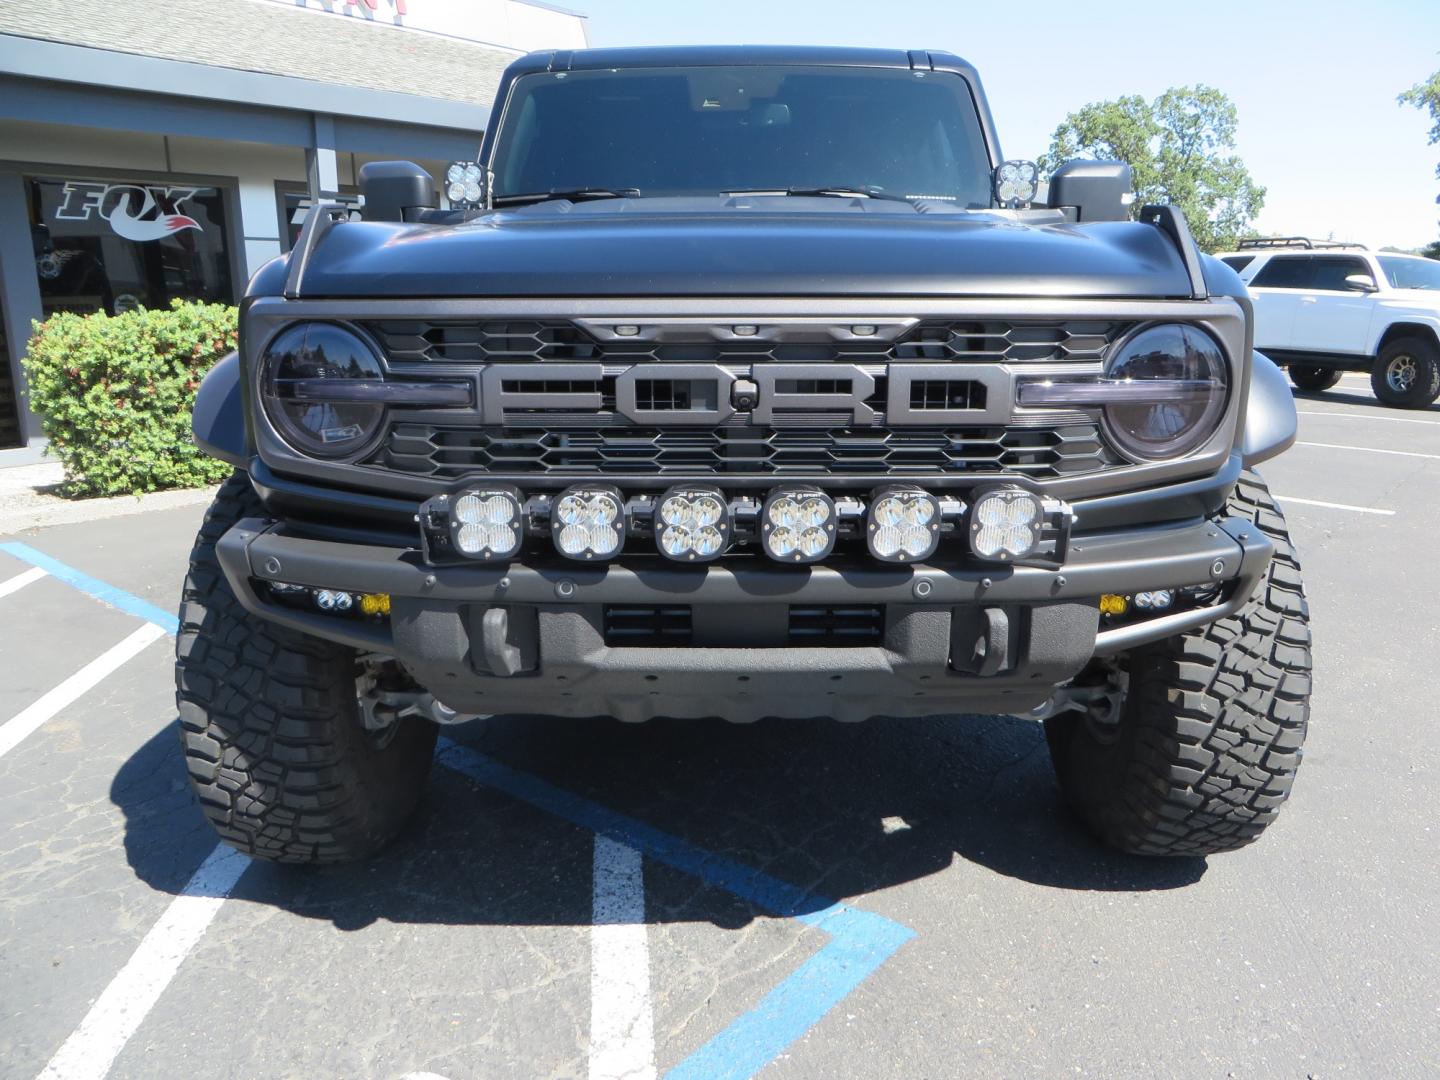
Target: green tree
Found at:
x=1180, y=148
x=1426, y=95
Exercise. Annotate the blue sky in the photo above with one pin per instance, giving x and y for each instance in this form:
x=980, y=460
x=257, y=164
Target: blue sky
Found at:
x=1314, y=82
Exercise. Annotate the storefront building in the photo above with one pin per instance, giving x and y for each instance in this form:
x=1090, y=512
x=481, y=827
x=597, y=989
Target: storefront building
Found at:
x=161, y=149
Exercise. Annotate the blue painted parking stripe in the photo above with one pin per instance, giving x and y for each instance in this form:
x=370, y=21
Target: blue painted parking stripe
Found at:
x=860, y=941
x=108, y=594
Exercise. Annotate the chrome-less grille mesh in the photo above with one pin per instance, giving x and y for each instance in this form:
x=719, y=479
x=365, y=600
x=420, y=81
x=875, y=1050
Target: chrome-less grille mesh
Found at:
x=543, y=439
x=451, y=453
x=992, y=341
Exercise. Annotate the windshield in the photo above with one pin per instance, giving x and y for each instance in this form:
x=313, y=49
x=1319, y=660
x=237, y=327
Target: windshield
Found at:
x=1411, y=273
x=703, y=130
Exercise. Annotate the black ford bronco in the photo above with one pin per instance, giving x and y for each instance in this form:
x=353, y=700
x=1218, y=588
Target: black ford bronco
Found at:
x=743, y=383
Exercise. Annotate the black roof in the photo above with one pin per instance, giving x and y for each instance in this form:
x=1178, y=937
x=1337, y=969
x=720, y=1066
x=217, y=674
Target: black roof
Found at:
x=718, y=55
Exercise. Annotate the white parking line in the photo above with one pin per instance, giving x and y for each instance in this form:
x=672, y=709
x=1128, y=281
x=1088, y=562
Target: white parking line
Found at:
x=52, y=701
x=1368, y=416
x=1335, y=506
x=1371, y=450
x=622, y=1025
x=20, y=580
x=121, y=1007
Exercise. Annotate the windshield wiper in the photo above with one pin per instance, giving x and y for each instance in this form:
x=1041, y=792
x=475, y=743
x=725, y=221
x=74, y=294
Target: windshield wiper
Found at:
x=837, y=190
x=572, y=194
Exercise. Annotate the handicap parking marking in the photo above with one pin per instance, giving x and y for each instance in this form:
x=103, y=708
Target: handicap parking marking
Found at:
x=622, y=1020
x=105, y=593
x=860, y=941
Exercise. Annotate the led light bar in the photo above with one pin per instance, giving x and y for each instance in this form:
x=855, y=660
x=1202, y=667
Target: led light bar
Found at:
x=588, y=523
x=902, y=525
x=692, y=524
x=797, y=525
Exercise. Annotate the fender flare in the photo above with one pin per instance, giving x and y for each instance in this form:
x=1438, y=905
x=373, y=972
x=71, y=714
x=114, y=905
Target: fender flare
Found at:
x=1271, y=423
x=218, y=423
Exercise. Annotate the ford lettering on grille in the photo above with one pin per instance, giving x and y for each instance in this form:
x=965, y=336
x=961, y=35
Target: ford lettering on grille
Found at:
x=773, y=394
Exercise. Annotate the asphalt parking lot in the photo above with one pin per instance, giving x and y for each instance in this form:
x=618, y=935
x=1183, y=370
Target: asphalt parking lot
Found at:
x=899, y=898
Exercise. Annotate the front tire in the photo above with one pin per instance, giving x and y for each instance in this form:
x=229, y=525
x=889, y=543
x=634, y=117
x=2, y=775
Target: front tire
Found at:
x=1313, y=379
x=1407, y=373
x=1211, y=724
x=270, y=726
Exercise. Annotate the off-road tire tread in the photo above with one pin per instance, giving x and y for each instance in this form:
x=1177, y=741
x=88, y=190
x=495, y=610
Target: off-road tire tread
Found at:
x=1214, y=721
x=269, y=728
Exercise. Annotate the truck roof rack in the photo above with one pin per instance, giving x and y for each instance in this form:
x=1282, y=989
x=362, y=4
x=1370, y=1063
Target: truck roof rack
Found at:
x=1294, y=242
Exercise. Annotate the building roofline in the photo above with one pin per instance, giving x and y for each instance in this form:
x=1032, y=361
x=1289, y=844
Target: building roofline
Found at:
x=52, y=61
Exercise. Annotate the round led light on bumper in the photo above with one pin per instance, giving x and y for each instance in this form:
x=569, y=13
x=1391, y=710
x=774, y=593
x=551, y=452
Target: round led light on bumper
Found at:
x=798, y=525
x=487, y=525
x=903, y=525
x=1187, y=371
x=1006, y=524
x=588, y=523
x=692, y=524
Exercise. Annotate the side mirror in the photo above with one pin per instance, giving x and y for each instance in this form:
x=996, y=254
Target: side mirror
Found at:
x=1092, y=190
x=395, y=191
x=1361, y=283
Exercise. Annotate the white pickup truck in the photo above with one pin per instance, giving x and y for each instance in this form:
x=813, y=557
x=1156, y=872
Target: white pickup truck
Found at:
x=1323, y=308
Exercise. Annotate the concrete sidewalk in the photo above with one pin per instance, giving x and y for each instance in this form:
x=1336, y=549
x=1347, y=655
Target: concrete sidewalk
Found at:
x=29, y=499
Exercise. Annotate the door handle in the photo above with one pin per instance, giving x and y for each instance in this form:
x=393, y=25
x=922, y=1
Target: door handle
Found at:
x=1308, y=299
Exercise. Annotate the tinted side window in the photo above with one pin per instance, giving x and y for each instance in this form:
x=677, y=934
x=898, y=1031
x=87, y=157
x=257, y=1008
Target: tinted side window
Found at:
x=1284, y=272
x=1332, y=270
x=1238, y=262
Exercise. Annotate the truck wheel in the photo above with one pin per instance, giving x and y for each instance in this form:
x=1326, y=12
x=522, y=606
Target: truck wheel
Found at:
x=1407, y=373
x=1204, y=736
x=1313, y=379
x=270, y=726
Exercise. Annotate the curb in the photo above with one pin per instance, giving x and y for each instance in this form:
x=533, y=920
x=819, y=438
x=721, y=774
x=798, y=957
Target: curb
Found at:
x=69, y=513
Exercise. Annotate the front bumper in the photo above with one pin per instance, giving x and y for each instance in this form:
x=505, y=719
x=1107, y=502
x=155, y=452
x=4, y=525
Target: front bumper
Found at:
x=530, y=638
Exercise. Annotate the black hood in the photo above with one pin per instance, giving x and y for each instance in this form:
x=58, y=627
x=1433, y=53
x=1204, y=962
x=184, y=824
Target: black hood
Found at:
x=746, y=246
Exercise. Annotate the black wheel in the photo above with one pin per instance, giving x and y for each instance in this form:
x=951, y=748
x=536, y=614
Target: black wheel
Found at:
x=1205, y=737
x=1407, y=373
x=270, y=725
x=1313, y=379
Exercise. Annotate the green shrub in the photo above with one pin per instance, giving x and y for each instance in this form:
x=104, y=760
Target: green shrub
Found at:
x=116, y=393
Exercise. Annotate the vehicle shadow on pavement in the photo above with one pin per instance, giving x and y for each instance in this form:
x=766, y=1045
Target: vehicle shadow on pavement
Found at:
x=840, y=810
x=1341, y=396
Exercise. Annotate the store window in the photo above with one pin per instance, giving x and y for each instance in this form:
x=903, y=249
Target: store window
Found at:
x=112, y=246
x=9, y=400
x=295, y=205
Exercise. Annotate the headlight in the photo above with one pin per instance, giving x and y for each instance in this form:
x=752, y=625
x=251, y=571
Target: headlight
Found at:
x=316, y=379
x=1186, y=370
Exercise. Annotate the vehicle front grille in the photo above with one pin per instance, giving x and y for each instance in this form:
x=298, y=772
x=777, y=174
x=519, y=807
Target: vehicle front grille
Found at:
x=636, y=626
x=986, y=341
x=451, y=452
x=672, y=627
x=837, y=626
